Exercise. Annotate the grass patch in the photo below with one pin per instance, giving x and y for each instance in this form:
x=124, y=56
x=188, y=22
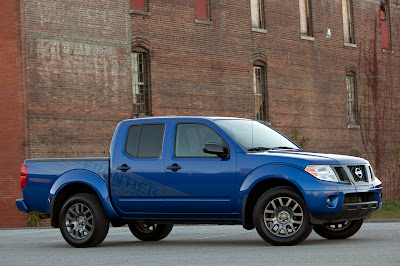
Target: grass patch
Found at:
x=389, y=210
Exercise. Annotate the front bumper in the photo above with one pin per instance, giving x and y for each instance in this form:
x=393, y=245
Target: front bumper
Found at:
x=349, y=211
x=329, y=203
x=21, y=205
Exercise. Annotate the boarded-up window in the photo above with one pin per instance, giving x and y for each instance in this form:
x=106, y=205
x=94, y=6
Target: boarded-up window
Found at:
x=202, y=9
x=257, y=13
x=352, y=113
x=139, y=5
x=305, y=17
x=348, y=21
x=260, y=97
x=140, y=88
x=385, y=25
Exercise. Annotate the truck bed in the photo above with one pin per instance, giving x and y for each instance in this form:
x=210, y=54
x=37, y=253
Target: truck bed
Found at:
x=44, y=172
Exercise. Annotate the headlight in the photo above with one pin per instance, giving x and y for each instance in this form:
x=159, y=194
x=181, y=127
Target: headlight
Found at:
x=322, y=172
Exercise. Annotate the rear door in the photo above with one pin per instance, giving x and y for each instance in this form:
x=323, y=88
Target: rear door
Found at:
x=137, y=168
x=197, y=182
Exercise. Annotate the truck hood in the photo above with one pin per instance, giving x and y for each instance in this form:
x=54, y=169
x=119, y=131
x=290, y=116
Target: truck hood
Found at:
x=308, y=157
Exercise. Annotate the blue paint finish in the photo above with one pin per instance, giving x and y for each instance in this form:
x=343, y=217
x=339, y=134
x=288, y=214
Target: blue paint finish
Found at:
x=141, y=188
x=202, y=189
x=46, y=177
x=84, y=177
x=21, y=205
x=205, y=185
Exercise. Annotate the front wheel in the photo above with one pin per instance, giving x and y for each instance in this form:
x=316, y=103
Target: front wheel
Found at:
x=83, y=222
x=281, y=217
x=341, y=230
x=150, y=232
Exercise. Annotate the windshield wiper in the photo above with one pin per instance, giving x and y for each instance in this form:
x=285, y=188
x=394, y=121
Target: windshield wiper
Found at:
x=259, y=149
x=283, y=148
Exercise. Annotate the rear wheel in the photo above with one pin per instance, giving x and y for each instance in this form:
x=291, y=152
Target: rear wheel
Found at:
x=83, y=222
x=341, y=230
x=150, y=232
x=281, y=217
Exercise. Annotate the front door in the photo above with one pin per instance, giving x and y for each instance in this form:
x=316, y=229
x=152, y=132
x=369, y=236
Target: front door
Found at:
x=195, y=181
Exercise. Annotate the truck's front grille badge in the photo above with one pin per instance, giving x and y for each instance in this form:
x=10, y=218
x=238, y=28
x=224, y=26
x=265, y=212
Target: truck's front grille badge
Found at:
x=358, y=172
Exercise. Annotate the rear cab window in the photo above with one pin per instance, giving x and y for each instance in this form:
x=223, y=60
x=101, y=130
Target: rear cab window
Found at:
x=145, y=140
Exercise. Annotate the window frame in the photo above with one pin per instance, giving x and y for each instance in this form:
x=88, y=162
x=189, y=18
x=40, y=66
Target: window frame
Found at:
x=140, y=134
x=353, y=122
x=261, y=14
x=306, y=21
x=146, y=84
x=348, y=17
x=264, y=96
x=387, y=19
x=200, y=20
x=204, y=157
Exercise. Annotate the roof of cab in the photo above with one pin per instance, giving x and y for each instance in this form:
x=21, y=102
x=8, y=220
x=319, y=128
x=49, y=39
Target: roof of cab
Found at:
x=188, y=117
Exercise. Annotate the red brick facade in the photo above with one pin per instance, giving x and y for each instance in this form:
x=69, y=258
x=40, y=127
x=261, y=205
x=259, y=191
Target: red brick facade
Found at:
x=13, y=148
x=77, y=77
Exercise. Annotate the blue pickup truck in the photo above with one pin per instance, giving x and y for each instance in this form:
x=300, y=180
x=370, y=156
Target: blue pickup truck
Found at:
x=197, y=170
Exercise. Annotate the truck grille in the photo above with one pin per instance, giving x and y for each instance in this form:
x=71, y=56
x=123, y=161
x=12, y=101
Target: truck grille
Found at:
x=341, y=174
x=358, y=172
x=359, y=197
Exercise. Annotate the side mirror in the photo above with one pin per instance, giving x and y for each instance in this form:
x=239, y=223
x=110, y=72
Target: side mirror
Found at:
x=215, y=148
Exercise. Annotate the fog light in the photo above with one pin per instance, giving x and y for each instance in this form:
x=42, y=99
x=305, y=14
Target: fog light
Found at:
x=332, y=201
x=328, y=200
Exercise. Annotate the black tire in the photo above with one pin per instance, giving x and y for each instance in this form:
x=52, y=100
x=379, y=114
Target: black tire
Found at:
x=341, y=230
x=83, y=221
x=281, y=217
x=150, y=232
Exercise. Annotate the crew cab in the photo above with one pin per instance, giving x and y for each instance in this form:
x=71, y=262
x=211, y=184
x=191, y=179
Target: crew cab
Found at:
x=201, y=170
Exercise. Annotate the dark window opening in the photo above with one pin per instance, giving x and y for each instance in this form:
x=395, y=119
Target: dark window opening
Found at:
x=352, y=105
x=306, y=18
x=350, y=18
x=260, y=92
x=140, y=84
x=309, y=19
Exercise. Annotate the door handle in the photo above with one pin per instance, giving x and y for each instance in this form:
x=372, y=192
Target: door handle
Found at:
x=123, y=167
x=174, y=167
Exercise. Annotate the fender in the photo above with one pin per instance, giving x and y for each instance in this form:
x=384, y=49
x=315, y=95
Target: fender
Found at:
x=88, y=178
x=285, y=172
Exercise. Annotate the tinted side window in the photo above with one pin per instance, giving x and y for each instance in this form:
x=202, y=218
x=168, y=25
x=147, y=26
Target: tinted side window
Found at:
x=190, y=139
x=151, y=140
x=132, y=140
x=145, y=141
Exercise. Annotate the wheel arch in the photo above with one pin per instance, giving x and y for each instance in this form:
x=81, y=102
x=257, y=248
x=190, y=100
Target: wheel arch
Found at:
x=259, y=189
x=262, y=180
x=75, y=182
x=63, y=195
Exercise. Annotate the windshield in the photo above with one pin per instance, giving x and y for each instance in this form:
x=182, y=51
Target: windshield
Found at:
x=254, y=136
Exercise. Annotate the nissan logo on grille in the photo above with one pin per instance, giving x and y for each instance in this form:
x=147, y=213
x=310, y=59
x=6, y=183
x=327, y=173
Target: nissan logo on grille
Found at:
x=358, y=173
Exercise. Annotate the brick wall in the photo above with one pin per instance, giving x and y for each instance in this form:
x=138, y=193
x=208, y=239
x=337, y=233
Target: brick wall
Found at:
x=188, y=54
x=78, y=74
x=12, y=120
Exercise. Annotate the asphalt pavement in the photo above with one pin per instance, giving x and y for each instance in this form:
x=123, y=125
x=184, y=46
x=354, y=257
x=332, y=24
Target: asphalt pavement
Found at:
x=374, y=244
